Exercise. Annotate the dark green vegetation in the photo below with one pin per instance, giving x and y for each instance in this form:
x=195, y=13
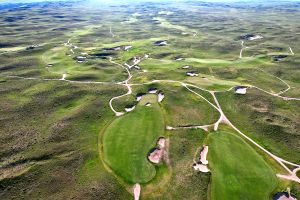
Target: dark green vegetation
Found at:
x=60, y=140
x=49, y=141
x=237, y=170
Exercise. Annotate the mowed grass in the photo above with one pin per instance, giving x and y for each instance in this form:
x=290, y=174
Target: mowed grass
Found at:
x=238, y=172
x=128, y=140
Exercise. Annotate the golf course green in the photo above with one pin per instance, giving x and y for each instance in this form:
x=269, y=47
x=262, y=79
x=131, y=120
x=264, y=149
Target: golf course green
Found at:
x=238, y=171
x=128, y=140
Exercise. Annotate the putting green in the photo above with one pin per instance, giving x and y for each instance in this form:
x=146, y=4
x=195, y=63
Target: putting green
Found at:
x=238, y=171
x=128, y=140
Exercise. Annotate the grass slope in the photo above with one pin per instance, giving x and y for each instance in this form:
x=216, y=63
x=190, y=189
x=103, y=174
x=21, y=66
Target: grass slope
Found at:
x=129, y=139
x=238, y=172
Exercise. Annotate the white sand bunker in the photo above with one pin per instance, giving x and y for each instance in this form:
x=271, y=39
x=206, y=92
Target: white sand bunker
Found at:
x=129, y=108
x=161, y=96
x=139, y=96
x=203, y=155
x=201, y=168
x=64, y=77
x=284, y=196
x=192, y=74
x=203, y=162
x=157, y=153
x=186, y=67
x=136, y=191
x=240, y=90
x=152, y=90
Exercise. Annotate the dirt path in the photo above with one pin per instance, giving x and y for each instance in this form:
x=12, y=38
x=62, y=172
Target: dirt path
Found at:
x=223, y=119
x=291, y=50
x=292, y=176
x=136, y=191
x=284, y=82
x=279, y=160
x=277, y=94
x=65, y=80
x=111, y=33
x=242, y=49
x=203, y=127
x=241, y=52
x=125, y=83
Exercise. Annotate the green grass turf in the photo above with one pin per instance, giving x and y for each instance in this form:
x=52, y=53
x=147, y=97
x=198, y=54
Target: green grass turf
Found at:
x=238, y=172
x=267, y=120
x=128, y=140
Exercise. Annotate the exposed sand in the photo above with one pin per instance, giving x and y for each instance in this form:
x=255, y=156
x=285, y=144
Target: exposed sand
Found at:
x=161, y=96
x=119, y=114
x=203, y=155
x=241, y=90
x=156, y=155
x=64, y=77
x=138, y=98
x=201, y=168
x=136, y=191
x=129, y=109
x=161, y=143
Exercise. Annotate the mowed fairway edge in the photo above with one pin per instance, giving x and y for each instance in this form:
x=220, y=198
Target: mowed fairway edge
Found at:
x=128, y=140
x=238, y=171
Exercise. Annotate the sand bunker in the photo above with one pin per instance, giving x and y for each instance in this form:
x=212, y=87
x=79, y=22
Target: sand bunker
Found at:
x=129, y=109
x=136, y=191
x=203, y=162
x=161, y=43
x=240, y=90
x=157, y=153
x=201, y=168
x=152, y=90
x=191, y=74
x=64, y=77
x=186, y=67
x=203, y=155
x=283, y=196
x=161, y=96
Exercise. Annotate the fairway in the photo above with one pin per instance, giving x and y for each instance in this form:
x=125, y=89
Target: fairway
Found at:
x=238, y=172
x=128, y=140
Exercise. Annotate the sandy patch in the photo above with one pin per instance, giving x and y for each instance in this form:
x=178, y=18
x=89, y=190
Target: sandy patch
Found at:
x=202, y=165
x=157, y=153
x=160, y=97
x=201, y=168
x=136, y=191
x=130, y=109
x=203, y=155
